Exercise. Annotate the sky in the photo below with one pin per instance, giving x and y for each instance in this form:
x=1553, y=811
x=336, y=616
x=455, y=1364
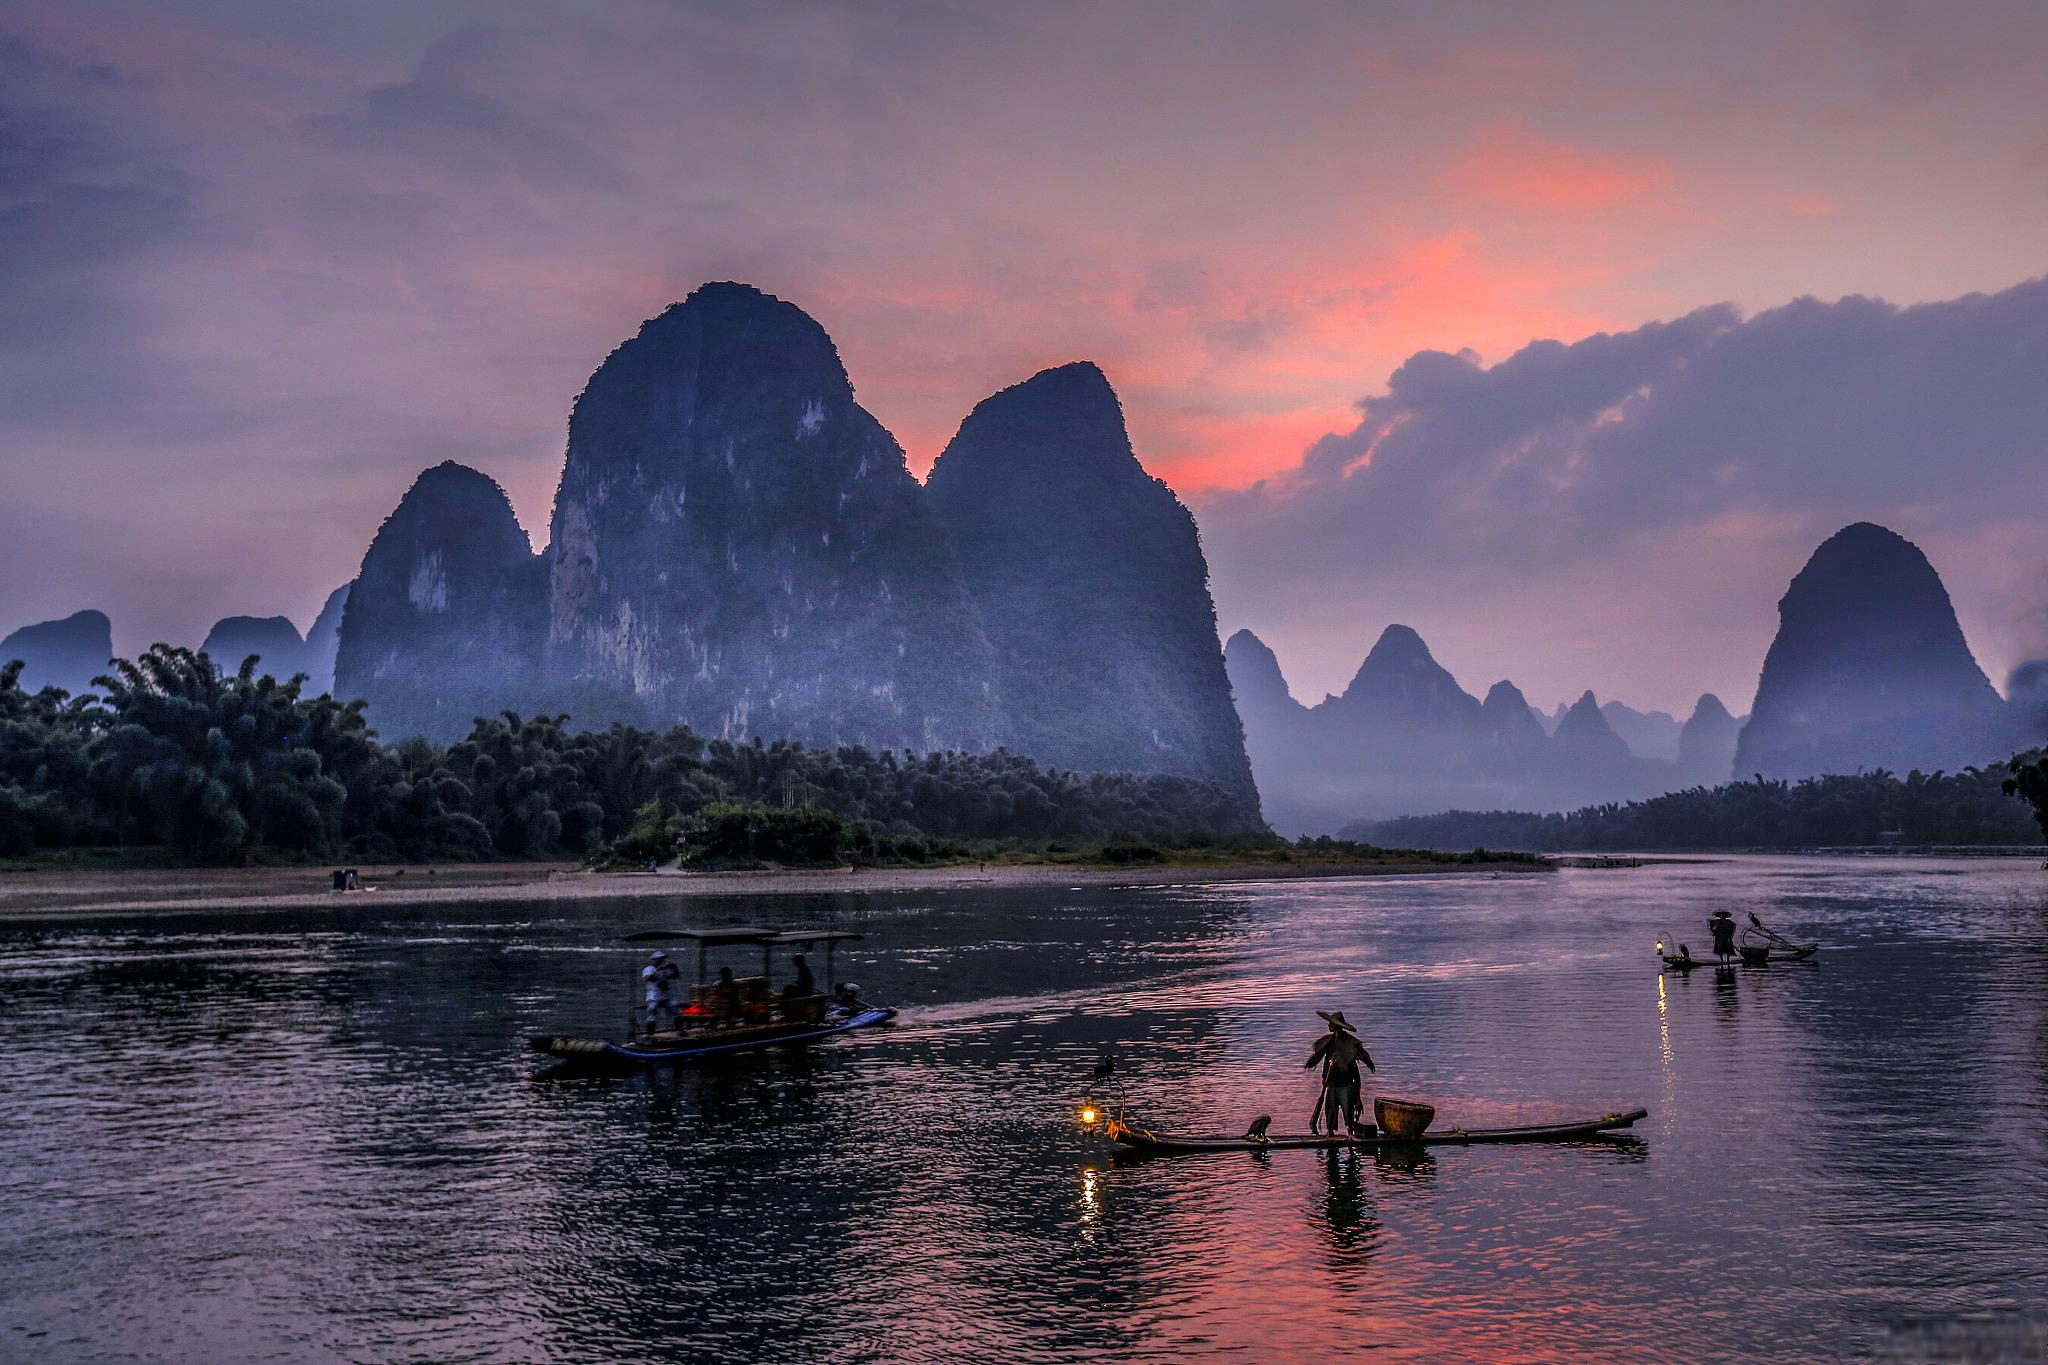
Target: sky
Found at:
x=1562, y=333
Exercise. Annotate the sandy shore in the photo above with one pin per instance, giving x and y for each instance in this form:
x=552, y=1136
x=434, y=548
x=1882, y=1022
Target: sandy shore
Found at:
x=71, y=893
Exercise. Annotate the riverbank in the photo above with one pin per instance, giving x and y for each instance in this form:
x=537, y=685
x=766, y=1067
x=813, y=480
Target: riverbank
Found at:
x=38, y=894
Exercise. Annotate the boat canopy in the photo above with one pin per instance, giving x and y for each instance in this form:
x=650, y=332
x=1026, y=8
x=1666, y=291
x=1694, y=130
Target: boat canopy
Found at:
x=720, y=938
x=767, y=940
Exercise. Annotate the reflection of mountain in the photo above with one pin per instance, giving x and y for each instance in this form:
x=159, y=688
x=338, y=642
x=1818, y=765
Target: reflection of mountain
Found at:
x=1405, y=737
x=1870, y=670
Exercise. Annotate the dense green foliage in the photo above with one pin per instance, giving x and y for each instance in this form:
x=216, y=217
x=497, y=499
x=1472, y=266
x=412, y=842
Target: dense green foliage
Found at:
x=2029, y=782
x=1974, y=806
x=233, y=768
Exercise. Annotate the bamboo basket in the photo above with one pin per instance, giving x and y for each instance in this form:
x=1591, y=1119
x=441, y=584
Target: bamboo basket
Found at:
x=1402, y=1118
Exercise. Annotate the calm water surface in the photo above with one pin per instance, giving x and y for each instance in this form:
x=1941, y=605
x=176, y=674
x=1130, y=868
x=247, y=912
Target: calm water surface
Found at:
x=317, y=1137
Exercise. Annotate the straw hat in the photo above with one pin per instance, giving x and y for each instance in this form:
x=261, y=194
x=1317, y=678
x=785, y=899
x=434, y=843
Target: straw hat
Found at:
x=1335, y=1018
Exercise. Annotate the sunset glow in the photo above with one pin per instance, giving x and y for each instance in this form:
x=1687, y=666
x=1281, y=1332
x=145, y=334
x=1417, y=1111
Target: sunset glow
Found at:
x=330, y=252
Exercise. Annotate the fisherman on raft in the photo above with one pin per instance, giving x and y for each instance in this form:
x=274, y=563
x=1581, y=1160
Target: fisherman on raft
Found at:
x=1722, y=926
x=1340, y=1052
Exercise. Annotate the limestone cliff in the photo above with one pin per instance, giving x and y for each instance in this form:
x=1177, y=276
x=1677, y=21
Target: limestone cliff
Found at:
x=1870, y=670
x=738, y=545
x=1089, y=579
x=444, y=622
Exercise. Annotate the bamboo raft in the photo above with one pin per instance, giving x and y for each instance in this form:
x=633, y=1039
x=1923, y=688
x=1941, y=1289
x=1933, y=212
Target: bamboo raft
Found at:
x=1140, y=1139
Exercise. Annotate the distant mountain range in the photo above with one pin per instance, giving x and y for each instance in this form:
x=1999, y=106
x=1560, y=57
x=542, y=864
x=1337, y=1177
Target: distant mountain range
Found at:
x=738, y=546
x=1869, y=670
x=1404, y=737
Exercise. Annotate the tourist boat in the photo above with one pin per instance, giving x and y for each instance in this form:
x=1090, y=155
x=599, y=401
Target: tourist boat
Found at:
x=732, y=1015
x=1135, y=1138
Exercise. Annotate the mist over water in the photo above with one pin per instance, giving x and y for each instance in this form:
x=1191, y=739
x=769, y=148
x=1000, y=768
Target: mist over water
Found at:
x=317, y=1136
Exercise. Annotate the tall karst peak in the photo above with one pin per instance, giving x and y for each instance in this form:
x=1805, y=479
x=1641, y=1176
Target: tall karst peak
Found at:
x=1870, y=669
x=1089, y=578
x=1401, y=680
x=1585, y=735
x=739, y=546
x=1065, y=422
x=1254, y=669
x=442, y=623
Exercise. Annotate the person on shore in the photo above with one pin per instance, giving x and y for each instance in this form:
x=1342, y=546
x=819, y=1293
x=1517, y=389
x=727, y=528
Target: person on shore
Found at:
x=1722, y=926
x=659, y=978
x=1339, y=1051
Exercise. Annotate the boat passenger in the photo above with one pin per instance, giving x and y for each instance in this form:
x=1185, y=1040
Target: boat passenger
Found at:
x=725, y=999
x=805, y=983
x=846, y=999
x=1722, y=925
x=1340, y=1051
x=659, y=978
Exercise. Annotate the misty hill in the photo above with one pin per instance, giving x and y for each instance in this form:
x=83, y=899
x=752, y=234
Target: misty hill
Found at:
x=1088, y=577
x=1706, y=743
x=1648, y=734
x=1968, y=807
x=1870, y=670
x=1511, y=726
x=273, y=639
x=1585, y=741
x=446, y=620
x=1405, y=737
x=69, y=653
x=323, y=642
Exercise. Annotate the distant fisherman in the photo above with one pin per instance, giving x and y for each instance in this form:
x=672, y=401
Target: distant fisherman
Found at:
x=1340, y=1052
x=1722, y=925
x=659, y=977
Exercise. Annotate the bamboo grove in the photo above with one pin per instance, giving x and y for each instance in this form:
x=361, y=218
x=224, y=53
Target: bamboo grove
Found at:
x=171, y=752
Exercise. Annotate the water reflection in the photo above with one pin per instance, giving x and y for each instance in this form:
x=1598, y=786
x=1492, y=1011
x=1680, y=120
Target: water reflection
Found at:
x=301, y=1138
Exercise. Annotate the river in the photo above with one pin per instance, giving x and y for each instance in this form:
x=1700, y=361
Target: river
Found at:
x=315, y=1136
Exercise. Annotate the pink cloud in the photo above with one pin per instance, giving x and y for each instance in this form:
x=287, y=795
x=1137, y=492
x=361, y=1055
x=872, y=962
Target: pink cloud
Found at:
x=1534, y=175
x=1813, y=206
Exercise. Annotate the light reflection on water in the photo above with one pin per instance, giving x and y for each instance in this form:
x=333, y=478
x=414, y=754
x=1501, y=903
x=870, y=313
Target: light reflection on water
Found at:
x=316, y=1137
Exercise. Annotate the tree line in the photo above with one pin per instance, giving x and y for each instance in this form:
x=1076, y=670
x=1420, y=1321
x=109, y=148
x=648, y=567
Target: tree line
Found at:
x=2006, y=804
x=225, y=768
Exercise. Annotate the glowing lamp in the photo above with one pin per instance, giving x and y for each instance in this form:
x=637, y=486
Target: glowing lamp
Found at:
x=1087, y=1115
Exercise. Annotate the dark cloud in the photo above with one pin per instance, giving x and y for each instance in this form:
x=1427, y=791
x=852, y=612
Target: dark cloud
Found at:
x=1692, y=448
x=77, y=205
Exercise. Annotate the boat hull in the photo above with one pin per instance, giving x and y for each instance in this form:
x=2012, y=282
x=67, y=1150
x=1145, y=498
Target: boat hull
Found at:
x=1139, y=1139
x=1803, y=953
x=656, y=1052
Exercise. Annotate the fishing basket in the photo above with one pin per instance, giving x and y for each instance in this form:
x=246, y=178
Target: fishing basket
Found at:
x=1402, y=1118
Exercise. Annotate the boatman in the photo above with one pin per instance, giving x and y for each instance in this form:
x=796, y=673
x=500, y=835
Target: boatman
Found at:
x=1722, y=926
x=659, y=977
x=1339, y=1051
